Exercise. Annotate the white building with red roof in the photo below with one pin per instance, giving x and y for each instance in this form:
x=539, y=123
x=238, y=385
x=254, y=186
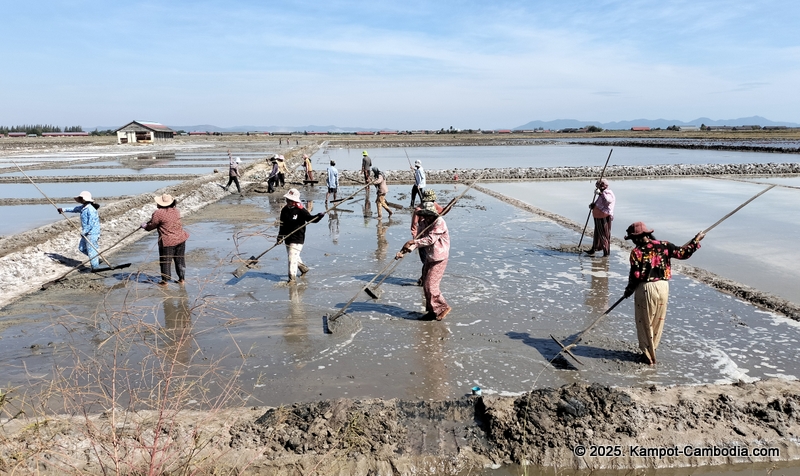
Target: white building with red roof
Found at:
x=143, y=131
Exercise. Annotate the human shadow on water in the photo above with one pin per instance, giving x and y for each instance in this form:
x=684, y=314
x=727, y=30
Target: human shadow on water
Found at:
x=64, y=260
x=393, y=311
x=398, y=281
x=548, y=348
x=275, y=278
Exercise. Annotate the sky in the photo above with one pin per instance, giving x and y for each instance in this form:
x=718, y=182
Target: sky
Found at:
x=397, y=65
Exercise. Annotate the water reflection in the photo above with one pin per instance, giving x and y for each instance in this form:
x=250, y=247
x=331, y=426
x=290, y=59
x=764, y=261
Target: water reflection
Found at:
x=367, y=207
x=178, y=327
x=295, y=328
x=383, y=243
x=431, y=370
x=597, y=294
x=333, y=226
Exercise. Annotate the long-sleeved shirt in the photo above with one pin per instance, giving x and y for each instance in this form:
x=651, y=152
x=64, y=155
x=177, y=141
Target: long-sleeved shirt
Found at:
x=651, y=261
x=90, y=220
x=233, y=169
x=366, y=163
x=294, y=218
x=282, y=167
x=168, y=223
x=275, y=169
x=380, y=185
x=604, y=205
x=436, y=239
x=333, y=177
x=419, y=177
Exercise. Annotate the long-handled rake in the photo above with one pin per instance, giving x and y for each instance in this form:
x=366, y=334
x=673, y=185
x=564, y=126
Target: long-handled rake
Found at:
x=89, y=242
x=651, y=349
x=253, y=260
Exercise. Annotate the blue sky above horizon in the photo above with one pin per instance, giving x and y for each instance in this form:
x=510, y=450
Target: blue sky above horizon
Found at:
x=397, y=65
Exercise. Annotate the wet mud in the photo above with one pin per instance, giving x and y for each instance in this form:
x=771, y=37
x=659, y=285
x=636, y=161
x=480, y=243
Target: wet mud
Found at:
x=574, y=427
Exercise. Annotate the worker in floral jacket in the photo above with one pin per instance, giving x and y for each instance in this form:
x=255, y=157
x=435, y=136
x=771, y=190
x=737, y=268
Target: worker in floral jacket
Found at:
x=648, y=282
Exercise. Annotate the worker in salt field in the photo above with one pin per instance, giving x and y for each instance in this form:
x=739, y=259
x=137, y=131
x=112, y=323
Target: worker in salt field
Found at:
x=648, y=282
x=333, y=182
x=171, y=238
x=282, y=171
x=419, y=182
x=292, y=231
x=603, y=213
x=272, y=178
x=308, y=169
x=429, y=195
x=233, y=174
x=382, y=189
x=366, y=164
x=435, y=237
x=90, y=226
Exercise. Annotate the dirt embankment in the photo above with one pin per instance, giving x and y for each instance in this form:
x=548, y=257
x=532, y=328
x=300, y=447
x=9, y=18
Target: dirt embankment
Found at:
x=617, y=428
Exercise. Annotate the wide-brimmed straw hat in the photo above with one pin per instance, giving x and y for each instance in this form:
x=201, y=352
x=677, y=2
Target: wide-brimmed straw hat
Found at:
x=238, y=160
x=165, y=200
x=418, y=163
x=428, y=209
x=86, y=196
x=602, y=183
x=293, y=194
x=637, y=229
x=429, y=195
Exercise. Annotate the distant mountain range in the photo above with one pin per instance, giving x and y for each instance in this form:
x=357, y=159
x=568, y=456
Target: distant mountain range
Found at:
x=653, y=123
x=552, y=125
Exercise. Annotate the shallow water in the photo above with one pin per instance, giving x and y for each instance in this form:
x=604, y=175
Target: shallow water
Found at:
x=98, y=189
x=560, y=155
x=89, y=172
x=510, y=291
x=751, y=247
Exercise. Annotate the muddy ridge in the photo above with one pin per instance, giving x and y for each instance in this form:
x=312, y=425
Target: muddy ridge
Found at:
x=641, y=428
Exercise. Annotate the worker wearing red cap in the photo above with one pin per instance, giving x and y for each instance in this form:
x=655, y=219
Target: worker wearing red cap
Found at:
x=648, y=282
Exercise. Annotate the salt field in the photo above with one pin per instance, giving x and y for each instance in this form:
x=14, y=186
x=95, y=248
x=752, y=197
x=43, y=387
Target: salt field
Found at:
x=510, y=291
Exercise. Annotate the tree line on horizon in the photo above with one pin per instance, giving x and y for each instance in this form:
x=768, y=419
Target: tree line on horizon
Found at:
x=38, y=129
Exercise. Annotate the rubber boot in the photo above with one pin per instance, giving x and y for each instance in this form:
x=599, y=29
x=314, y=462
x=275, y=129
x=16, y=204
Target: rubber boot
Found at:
x=302, y=268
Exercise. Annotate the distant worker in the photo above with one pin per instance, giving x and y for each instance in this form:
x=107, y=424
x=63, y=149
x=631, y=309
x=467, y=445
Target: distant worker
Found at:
x=428, y=196
x=282, y=171
x=171, y=238
x=272, y=178
x=233, y=173
x=308, y=168
x=292, y=231
x=382, y=189
x=648, y=282
x=333, y=181
x=435, y=238
x=366, y=164
x=603, y=213
x=90, y=226
x=419, y=182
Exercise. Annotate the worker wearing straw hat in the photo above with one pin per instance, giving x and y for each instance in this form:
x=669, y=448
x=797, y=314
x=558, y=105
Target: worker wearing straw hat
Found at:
x=429, y=195
x=233, y=174
x=309, y=169
x=366, y=164
x=603, y=213
x=292, y=231
x=648, y=282
x=171, y=238
x=435, y=238
x=90, y=226
x=419, y=182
